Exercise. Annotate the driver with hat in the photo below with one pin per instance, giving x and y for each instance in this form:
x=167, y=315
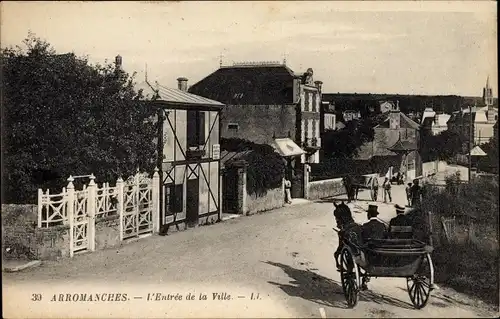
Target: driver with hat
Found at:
x=374, y=228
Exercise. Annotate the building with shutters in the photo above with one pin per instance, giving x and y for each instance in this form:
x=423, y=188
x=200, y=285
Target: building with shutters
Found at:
x=268, y=103
x=188, y=155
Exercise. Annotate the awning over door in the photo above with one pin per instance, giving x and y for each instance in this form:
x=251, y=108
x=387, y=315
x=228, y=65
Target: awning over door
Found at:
x=286, y=147
x=477, y=151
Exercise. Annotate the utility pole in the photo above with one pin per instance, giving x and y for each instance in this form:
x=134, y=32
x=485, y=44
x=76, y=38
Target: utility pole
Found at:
x=471, y=139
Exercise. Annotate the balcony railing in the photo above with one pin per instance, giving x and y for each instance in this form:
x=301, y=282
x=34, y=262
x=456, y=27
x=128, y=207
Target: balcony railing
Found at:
x=195, y=153
x=311, y=145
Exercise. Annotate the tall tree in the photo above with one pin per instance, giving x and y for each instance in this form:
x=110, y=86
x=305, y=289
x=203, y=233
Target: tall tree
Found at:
x=63, y=116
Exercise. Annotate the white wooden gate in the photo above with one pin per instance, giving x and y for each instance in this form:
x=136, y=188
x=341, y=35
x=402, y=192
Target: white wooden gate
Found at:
x=136, y=202
x=137, y=217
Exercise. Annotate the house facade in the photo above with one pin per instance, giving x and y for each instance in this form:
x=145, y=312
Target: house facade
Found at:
x=268, y=103
x=482, y=119
x=433, y=122
x=398, y=137
x=188, y=156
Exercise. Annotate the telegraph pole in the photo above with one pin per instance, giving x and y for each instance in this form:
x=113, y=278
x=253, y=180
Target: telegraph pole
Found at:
x=471, y=139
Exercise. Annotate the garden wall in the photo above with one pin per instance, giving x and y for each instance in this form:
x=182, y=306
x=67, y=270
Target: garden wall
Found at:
x=326, y=188
x=274, y=198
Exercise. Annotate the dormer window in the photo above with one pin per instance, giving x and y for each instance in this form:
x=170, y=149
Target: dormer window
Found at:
x=237, y=95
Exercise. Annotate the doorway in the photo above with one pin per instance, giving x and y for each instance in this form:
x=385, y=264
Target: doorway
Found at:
x=192, y=202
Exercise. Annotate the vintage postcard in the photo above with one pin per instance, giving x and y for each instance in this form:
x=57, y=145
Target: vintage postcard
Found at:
x=250, y=159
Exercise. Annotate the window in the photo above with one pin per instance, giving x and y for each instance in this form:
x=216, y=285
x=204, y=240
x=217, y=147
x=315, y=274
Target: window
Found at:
x=174, y=198
x=195, y=128
x=496, y=117
x=233, y=126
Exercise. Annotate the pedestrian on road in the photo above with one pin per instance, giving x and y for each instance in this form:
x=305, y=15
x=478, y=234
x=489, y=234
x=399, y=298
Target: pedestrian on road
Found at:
x=387, y=190
x=416, y=194
x=288, y=196
x=408, y=194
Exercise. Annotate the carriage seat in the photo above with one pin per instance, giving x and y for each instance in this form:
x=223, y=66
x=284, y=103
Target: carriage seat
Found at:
x=405, y=246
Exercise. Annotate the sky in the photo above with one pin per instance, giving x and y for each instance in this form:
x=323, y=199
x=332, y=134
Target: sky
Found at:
x=367, y=47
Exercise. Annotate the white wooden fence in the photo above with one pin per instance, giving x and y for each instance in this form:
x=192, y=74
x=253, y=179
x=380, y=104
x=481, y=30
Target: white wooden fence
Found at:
x=135, y=202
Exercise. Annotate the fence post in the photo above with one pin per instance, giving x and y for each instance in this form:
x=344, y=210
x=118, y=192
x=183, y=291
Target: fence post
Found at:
x=40, y=196
x=137, y=201
x=71, y=207
x=91, y=207
x=155, y=200
x=120, y=201
x=307, y=169
x=429, y=215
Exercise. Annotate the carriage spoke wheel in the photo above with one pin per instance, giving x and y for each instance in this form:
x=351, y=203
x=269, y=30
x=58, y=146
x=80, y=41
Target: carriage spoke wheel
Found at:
x=419, y=285
x=348, y=275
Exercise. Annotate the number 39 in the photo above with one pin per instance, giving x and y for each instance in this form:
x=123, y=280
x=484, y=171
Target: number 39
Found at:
x=36, y=297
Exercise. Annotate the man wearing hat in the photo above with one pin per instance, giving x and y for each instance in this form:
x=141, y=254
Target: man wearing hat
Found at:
x=400, y=227
x=374, y=228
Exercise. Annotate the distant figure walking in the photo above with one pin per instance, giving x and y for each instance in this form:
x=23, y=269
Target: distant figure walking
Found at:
x=416, y=194
x=288, y=196
x=349, y=188
x=387, y=190
x=408, y=194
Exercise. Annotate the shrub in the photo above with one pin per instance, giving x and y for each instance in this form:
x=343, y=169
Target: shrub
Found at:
x=265, y=168
x=466, y=266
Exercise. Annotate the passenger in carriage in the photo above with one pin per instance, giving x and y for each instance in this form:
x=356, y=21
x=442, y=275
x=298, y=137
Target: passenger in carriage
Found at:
x=400, y=227
x=374, y=228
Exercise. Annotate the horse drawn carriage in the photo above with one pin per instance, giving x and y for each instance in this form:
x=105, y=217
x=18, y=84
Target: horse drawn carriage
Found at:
x=360, y=260
x=354, y=183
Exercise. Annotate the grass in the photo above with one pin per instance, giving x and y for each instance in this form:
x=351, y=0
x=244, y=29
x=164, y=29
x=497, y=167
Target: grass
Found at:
x=468, y=269
x=469, y=264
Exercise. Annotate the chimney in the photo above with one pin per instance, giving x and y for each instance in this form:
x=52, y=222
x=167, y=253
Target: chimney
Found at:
x=118, y=61
x=182, y=84
x=395, y=117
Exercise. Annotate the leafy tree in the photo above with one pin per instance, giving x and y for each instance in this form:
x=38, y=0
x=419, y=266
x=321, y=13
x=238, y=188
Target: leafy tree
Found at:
x=344, y=143
x=444, y=146
x=63, y=116
x=489, y=163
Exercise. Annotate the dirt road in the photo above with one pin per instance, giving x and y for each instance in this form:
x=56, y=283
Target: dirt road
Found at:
x=273, y=264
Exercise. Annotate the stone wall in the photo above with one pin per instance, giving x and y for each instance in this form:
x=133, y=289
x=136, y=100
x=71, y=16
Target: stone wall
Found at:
x=27, y=242
x=326, y=188
x=107, y=232
x=258, y=123
x=274, y=198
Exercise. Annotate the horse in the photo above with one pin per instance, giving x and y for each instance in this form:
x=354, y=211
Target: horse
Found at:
x=352, y=189
x=348, y=227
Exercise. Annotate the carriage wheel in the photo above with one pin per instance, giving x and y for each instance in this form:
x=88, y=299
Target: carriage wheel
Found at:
x=419, y=285
x=349, y=277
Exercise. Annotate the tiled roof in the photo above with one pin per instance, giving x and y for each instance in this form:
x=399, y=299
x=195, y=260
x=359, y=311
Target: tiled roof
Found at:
x=248, y=85
x=176, y=96
x=442, y=119
x=405, y=122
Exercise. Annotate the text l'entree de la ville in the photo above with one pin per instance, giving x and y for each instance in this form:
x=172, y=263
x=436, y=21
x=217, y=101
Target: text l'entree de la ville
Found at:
x=151, y=296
